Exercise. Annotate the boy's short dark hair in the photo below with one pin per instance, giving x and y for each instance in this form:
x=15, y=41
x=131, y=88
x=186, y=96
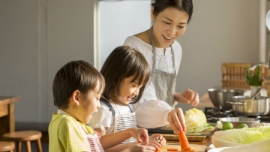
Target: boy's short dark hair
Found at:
x=122, y=63
x=75, y=75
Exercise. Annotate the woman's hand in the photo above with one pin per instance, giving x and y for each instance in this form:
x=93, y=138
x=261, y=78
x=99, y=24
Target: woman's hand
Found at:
x=140, y=134
x=177, y=120
x=188, y=96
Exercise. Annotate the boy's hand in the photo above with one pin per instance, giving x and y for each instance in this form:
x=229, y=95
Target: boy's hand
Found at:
x=140, y=134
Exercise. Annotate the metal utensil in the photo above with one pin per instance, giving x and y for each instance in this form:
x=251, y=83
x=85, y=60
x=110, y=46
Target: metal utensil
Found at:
x=219, y=96
x=256, y=93
x=248, y=106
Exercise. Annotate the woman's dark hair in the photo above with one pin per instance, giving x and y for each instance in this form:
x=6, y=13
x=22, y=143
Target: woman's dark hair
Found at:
x=122, y=63
x=75, y=75
x=182, y=5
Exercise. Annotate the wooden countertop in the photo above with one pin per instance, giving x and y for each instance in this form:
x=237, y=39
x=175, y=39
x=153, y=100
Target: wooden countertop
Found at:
x=206, y=142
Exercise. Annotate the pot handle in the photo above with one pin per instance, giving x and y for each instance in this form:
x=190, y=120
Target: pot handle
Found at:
x=235, y=103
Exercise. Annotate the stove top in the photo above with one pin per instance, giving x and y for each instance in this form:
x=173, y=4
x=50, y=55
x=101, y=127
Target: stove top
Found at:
x=212, y=115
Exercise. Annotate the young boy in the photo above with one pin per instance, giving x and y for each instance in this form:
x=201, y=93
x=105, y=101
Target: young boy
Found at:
x=77, y=88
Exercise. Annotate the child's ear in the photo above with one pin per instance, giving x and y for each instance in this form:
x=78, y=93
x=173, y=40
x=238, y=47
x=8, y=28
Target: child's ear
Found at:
x=152, y=14
x=76, y=96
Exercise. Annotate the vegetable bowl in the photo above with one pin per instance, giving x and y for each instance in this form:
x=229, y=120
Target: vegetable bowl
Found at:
x=237, y=137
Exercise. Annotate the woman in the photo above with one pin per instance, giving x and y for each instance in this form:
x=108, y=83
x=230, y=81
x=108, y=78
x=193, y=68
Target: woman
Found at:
x=160, y=48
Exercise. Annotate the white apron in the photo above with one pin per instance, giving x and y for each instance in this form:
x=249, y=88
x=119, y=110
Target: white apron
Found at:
x=123, y=121
x=164, y=82
x=93, y=143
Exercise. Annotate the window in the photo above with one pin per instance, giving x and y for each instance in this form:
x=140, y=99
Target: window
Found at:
x=118, y=20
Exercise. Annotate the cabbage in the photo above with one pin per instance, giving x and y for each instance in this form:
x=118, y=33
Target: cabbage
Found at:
x=195, y=121
x=261, y=146
x=243, y=136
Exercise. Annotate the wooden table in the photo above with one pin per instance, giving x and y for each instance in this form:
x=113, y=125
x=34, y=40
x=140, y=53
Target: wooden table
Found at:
x=7, y=119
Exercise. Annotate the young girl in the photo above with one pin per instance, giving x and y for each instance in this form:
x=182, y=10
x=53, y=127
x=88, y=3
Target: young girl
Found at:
x=125, y=72
x=77, y=88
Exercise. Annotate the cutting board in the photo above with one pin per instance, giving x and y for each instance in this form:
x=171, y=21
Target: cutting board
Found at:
x=196, y=148
x=205, y=132
x=174, y=137
x=190, y=136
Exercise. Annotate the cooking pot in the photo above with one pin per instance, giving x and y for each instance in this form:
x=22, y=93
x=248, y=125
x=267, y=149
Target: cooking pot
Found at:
x=219, y=97
x=247, y=106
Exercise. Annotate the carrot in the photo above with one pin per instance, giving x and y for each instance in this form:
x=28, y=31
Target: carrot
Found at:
x=172, y=149
x=184, y=142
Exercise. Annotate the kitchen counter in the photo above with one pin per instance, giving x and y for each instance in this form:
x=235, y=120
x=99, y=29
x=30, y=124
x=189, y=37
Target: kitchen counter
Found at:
x=206, y=142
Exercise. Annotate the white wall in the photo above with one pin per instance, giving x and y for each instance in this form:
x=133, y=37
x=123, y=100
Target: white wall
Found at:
x=267, y=32
x=70, y=36
x=39, y=36
x=220, y=31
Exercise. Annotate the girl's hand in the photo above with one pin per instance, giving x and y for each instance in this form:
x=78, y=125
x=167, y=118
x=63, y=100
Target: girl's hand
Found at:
x=177, y=120
x=141, y=148
x=188, y=96
x=157, y=140
x=140, y=134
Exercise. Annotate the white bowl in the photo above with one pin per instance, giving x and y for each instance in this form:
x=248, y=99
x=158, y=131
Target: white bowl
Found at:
x=236, y=137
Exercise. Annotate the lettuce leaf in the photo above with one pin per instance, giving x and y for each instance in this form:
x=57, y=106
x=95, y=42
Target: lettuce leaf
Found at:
x=245, y=135
x=195, y=121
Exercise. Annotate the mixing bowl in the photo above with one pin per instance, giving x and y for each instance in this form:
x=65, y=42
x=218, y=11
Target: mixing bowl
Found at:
x=220, y=97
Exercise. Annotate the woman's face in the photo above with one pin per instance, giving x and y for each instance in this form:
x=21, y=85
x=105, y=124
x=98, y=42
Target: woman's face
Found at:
x=168, y=26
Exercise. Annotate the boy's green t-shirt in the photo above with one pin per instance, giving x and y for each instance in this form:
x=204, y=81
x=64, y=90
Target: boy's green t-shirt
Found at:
x=66, y=134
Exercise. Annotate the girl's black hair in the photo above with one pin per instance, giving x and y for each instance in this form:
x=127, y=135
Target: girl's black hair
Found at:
x=124, y=62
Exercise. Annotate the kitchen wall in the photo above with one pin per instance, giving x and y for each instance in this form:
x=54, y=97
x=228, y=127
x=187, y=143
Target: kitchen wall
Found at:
x=39, y=36
x=219, y=31
x=267, y=31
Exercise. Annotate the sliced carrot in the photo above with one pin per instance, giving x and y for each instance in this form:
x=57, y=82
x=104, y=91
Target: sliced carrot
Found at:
x=172, y=149
x=184, y=142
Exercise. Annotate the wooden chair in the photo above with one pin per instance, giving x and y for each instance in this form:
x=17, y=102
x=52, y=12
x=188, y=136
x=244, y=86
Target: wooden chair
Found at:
x=6, y=146
x=233, y=75
x=24, y=136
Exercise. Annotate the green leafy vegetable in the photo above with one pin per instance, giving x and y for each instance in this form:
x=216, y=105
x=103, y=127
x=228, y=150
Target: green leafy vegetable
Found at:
x=245, y=135
x=254, y=79
x=195, y=121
